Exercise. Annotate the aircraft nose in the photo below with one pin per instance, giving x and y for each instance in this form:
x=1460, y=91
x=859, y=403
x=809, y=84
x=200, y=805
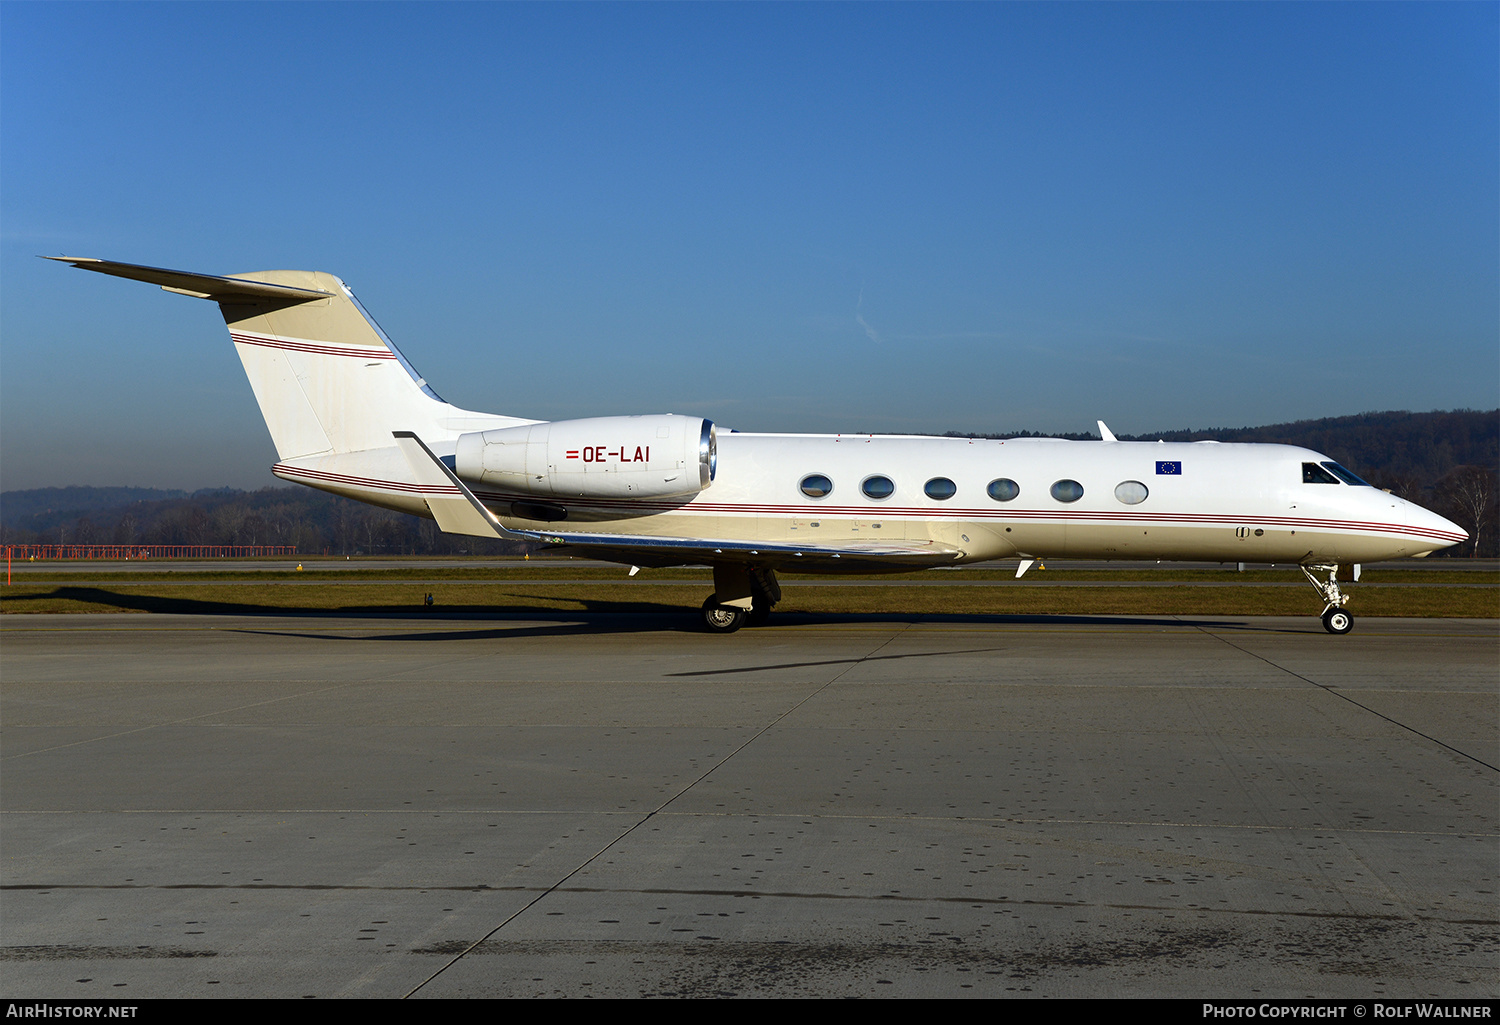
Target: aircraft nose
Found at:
x=1433, y=530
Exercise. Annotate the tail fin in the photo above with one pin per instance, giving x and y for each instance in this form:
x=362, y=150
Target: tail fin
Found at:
x=327, y=378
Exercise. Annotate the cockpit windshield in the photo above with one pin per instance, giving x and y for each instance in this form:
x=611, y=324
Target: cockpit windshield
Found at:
x=1329, y=472
x=1344, y=475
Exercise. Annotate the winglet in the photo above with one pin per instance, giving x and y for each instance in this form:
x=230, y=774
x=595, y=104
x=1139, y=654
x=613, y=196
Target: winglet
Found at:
x=453, y=505
x=1105, y=434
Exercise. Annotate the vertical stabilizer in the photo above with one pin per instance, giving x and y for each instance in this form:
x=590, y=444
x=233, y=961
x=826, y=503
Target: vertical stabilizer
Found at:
x=328, y=380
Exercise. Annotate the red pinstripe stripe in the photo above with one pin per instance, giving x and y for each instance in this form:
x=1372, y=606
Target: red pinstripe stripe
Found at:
x=317, y=349
x=1100, y=518
x=281, y=469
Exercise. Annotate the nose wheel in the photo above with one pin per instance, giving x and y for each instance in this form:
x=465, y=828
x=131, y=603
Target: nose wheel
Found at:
x=1337, y=621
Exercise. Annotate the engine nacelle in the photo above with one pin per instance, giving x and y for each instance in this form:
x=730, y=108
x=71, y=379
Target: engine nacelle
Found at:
x=661, y=456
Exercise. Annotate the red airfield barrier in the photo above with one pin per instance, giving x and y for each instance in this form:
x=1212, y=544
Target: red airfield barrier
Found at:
x=30, y=553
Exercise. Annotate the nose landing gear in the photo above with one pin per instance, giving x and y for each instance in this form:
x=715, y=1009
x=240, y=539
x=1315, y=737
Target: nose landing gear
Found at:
x=1336, y=619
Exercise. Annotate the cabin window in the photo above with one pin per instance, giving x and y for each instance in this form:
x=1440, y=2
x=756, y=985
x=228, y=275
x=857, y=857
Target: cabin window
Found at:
x=1312, y=473
x=1131, y=492
x=815, y=485
x=878, y=487
x=1344, y=475
x=940, y=488
x=1067, y=491
x=1003, y=490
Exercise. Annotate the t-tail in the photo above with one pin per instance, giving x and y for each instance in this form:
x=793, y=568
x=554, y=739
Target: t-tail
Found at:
x=331, y=386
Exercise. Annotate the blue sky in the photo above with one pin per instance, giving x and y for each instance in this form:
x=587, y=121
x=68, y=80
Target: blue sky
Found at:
x=798, y=217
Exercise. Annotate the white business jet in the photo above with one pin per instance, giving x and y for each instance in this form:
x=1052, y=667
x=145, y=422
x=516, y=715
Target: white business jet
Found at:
x=348, y=414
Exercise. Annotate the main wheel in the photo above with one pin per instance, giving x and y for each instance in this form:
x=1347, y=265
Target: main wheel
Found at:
x=1337, y=621
x=722, y=619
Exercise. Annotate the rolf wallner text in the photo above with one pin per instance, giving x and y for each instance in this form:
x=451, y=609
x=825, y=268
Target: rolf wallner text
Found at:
x=1357, y=1010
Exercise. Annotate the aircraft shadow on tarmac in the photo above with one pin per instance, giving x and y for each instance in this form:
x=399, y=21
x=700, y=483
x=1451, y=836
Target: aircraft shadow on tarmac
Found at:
x=596, y=617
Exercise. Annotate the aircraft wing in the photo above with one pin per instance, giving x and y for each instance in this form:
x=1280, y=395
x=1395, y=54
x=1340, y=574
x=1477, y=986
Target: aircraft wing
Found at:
x=457, y=511
x=850, y=557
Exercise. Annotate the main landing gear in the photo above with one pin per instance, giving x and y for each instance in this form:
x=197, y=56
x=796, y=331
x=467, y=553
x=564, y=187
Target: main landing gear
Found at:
x=743, y=595
x=723, y=619
x=1336, y=619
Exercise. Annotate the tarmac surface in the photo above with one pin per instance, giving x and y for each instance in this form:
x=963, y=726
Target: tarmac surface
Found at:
x=615, y=805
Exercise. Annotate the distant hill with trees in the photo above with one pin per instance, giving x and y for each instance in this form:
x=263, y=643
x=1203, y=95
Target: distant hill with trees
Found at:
x=315, y=522
x=1443, y=460
x=1391, y=446
x=1422, y=445
x=16, y=506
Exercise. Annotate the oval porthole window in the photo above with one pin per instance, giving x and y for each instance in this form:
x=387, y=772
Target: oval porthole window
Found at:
x=878, y=487
x=1067, y=491
x=940, y=488
x=815, y=485
x=1131, y=492
x=1003, y=490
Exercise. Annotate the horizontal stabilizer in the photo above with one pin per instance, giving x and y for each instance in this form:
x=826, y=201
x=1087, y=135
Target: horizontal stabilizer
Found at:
x=200, y=286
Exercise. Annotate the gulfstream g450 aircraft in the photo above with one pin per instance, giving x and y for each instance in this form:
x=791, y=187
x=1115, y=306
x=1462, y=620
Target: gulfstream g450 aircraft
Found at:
x=348, y=414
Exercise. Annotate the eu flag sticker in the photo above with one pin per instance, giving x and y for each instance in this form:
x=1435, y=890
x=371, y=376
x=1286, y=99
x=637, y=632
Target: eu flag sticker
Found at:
x=1169, y=469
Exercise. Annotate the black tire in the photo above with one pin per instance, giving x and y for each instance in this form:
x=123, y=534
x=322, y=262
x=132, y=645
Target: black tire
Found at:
x=1338, y=621
x=722, y=619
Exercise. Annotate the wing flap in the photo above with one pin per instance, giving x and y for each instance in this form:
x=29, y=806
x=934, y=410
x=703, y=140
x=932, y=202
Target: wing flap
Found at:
x=710, y=550
x=852, y=557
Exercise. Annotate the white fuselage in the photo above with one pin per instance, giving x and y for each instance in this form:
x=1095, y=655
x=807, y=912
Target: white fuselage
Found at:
x=1203, y=500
